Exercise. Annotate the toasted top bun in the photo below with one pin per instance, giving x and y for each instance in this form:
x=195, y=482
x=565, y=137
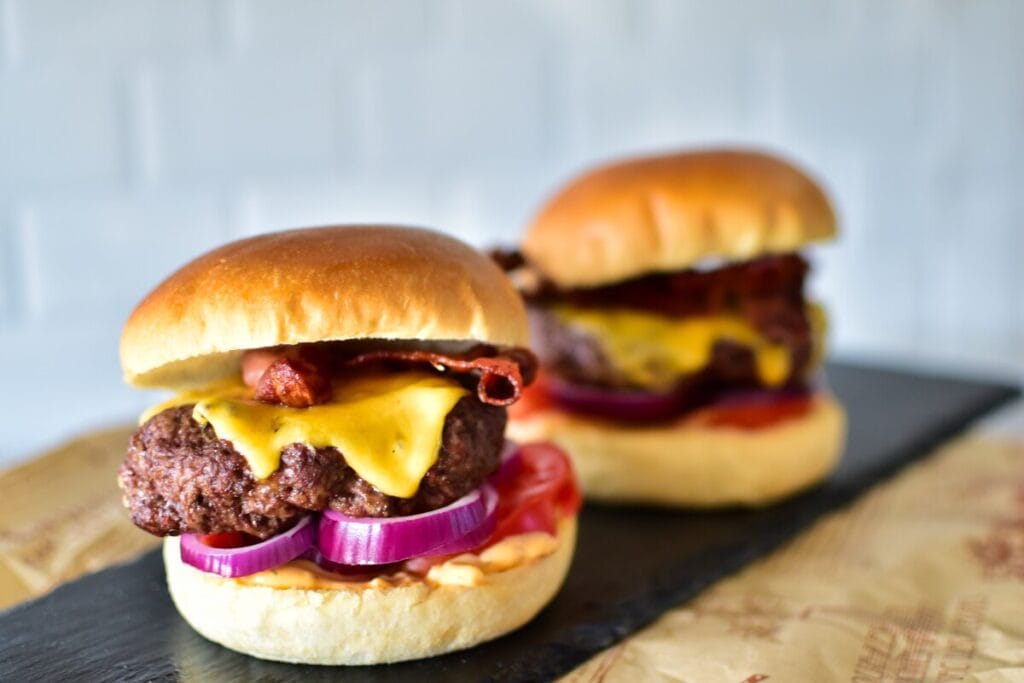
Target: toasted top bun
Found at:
x=316, y=284
x=664, y=213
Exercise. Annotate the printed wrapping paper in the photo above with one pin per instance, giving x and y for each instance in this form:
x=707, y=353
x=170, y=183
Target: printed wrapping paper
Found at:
x=922, y=579
x=61, y=516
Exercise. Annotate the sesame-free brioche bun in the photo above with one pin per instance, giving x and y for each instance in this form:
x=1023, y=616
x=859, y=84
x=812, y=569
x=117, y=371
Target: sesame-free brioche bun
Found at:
x=665, y=213
x=316, y=284
x=364, y=625
x=689, y=464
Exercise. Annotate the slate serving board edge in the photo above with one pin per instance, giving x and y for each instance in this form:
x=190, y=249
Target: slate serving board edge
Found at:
x=587, y=640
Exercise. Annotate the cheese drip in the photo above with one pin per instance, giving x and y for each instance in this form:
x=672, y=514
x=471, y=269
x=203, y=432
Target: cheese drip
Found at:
x=222, y=389
x=651, y=350
x=388, y=427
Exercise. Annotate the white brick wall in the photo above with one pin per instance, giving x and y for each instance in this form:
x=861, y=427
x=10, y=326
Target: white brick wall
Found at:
x=135, y=133
x=110, y=31
x=93, y=258
x=264, y=117
x=60, y=126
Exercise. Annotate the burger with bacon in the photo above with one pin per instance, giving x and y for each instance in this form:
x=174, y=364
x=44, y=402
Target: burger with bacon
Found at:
x=680, y=354
x=332, y=478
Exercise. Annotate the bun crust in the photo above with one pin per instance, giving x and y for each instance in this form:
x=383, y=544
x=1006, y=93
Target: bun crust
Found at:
x=316, y=284
x=365, y=625
x=665, y=213
x=690, y=465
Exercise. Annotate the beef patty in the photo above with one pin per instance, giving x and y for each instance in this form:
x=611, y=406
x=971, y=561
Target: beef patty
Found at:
x=179, y=477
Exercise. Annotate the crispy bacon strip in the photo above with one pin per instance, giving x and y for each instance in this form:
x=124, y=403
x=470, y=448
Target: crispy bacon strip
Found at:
x=502, y=375
x=777, y=279
x=293, y=382
x=299, y=378
x=256, y=362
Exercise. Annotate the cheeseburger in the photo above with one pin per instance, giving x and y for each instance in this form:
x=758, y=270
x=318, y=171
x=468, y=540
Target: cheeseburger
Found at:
x=680, y=355
x=332, y=480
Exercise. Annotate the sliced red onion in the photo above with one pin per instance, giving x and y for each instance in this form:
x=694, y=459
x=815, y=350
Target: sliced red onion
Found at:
x=463, y=525
x=621, y=405
x=234, y=562
x=760, y=396
x=477, y=536
x=345, y=572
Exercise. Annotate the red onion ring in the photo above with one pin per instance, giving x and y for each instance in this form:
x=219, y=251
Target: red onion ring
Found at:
x=356, y=573
x=479, y=535
x=383, y=540
x=760, y=396
x=620, y=405
x=345, y=572
x=235, y=562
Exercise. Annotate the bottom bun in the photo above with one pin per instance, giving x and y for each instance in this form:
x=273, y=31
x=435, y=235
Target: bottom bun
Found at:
x=688, y=464
x=365, y=624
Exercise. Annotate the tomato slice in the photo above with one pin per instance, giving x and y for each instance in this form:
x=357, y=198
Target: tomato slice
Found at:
x=535, y=497
x=754, y=415
x=537, y=398
x=233, y=539
x=533, y=399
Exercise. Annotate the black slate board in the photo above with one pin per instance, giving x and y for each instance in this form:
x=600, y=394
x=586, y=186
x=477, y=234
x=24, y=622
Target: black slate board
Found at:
x=630, y=566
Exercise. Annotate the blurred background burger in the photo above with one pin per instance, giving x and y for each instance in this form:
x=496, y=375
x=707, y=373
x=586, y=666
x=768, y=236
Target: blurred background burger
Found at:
x=680, y=353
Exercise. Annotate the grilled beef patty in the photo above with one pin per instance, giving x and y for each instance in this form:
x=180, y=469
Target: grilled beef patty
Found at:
x=179, y=477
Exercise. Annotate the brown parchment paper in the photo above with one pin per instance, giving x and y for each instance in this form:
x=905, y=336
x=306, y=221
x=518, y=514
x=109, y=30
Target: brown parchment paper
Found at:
x=61, y=516
x=922, y=579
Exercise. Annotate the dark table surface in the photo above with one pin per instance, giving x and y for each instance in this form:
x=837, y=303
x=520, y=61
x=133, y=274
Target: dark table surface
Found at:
x=631, y=565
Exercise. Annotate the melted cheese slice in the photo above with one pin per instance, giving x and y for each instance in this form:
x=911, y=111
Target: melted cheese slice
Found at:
x=225, y=388
x=388, y=427
x=651, y=350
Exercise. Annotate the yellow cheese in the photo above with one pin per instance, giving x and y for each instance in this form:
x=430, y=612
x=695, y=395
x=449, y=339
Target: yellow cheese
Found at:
x=388, y=427
x=652, y=350
x=224, y=388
